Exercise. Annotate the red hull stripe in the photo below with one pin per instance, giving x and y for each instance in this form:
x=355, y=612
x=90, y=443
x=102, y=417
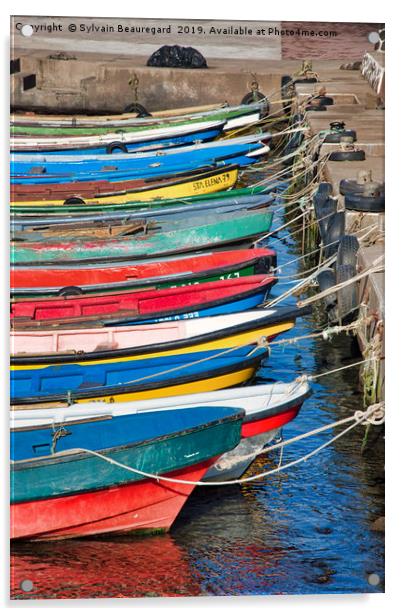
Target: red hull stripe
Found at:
x=269, y=423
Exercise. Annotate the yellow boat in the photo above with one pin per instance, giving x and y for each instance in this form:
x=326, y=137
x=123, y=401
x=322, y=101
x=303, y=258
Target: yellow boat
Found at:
x=202, y=184
x=221, y=356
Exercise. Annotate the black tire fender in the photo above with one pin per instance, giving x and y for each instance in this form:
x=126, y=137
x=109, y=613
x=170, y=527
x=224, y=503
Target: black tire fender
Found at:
x=347, y=251
x=347, y=297
x=334, y=232
x=140, y=110
x=362, y=203
x=68, y=291
x=116, y=146
x=347, y=155
x=337, y=137
x=324, y=211
x=325, y=188
x=327, y=279
x=74, y=201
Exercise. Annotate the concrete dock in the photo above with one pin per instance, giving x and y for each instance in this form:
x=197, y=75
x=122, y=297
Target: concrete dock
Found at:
x=359, y=103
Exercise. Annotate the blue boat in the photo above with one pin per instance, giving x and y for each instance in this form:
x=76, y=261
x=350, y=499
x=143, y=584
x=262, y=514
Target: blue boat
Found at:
x=41, y=169
x=127, y=380
x=107, y=431
x=249, y=301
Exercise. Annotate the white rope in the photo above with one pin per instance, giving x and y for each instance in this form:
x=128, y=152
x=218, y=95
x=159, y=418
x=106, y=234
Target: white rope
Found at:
x=357, y=418
x=371, y=270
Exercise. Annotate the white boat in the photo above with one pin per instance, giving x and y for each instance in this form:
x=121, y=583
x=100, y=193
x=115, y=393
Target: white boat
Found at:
x=93, y=141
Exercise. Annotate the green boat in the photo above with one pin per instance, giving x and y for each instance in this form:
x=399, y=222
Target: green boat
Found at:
x=80, y=208
x=227, y=230
x=235, y=117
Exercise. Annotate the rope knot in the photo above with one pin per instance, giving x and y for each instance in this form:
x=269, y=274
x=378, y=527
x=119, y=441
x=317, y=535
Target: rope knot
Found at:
x=374, y=415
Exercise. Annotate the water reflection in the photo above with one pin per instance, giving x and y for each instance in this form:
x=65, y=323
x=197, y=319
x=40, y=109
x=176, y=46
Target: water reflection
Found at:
x=126, y=567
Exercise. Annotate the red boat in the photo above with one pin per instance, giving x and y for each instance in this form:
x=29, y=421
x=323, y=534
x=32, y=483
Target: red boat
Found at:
x=148, y=505
x=205, y=299
x=166, y=272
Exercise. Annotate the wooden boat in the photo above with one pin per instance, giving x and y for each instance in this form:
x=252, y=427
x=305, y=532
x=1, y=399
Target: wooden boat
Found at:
x=216, y=199
x=40, y=169
x=61, y=491
x=21, y=222
x=187, y=374
x=267, y=409
x=228, y=230
x=148, y=139
x=164, y=273
x=199, y=184
x=137, y=350
x=234, y=117
x=204, y=299
x=123, y=225
x=44, y=347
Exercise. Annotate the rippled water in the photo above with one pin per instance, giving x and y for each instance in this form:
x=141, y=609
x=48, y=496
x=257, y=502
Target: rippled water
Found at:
x=305, y=530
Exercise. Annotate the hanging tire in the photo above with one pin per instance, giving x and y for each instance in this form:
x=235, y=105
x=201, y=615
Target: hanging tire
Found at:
x=352, y=155
x=334, y=232
x=347, y=251
x=286, y=81
x=68, y=291
x=327, y=279
x=348, y=187
x=324, y=212
x=116, y=146
x=325, y=188
x=357, y=202
x=254, y=97
x=140, y=110
x=74, y=201
x=347, y=297
x=336, y=137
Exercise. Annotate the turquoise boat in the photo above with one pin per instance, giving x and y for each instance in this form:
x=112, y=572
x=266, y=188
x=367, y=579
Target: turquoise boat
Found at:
x=234, y=229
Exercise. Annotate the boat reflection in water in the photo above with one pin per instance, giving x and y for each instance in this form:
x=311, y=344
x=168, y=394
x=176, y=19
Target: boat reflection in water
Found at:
x=142, y=567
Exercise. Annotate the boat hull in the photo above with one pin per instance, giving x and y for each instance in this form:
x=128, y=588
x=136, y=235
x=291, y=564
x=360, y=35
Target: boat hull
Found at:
x=163, y=273
x=141, y=507
x=255, y=436
x=207, y=299
x=155, y=383
x=201, y=184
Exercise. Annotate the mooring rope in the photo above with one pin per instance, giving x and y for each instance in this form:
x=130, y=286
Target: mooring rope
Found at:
x=358, y=418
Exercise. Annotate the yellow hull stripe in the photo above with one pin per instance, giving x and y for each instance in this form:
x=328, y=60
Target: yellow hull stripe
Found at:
x=196, y=387
x=193, y=188
x=242, y=339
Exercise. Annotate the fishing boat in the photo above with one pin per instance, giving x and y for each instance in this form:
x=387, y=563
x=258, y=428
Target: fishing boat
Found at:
x=267, y=408
x=42, y=169
x=186, y=374
x=43, y=347
x=70, y=208
x=168, y=272
x=64, y=361
x=198, y=184
x=118, y=226
x=148, y=139
x=60, y=488
x=235, y=117
x=201, y=300
x=32, y=222
x=215, y=231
